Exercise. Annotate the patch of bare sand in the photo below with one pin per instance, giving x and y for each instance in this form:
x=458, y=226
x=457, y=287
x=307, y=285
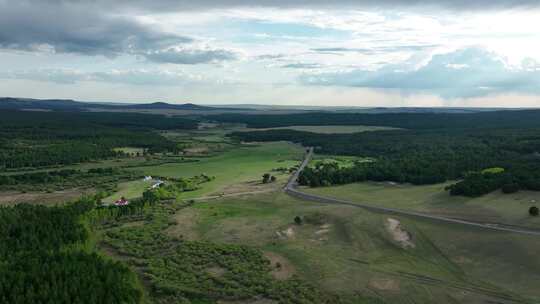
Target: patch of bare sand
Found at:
x=400, y=235
x=186, y=220
x=282, y=269
x=42, y=198
x=288, y=233
x=384, y=284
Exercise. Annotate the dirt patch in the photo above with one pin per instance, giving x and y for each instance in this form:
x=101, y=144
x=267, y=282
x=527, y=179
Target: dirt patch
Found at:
x=384, y=284
x=250, y=186
x=282, y=269
x=216, y=271
x=322, y=231
x=57, y=197
x=196, y=151
x=400, y=235
x=288, y=233
x=186, y=221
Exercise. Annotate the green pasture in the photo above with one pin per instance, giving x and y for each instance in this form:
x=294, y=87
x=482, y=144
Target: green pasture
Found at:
x=350, y=251
x=494, y=207
x=129, y=190
x=330, y=129
x=245, y=163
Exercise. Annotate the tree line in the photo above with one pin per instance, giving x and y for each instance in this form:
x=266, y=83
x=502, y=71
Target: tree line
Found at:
x=44, y=261
x=416, y=121
x=421, y=156
x=37, y=139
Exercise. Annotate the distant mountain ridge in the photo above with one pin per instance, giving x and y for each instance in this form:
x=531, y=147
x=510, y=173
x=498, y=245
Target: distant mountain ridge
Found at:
x=11, y=103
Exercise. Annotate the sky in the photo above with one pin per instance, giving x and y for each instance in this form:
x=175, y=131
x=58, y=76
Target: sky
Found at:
x=385, y=53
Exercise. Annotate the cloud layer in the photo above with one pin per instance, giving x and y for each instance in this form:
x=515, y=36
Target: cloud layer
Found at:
x=465, y=73
x=168, y=5
x=76, y=30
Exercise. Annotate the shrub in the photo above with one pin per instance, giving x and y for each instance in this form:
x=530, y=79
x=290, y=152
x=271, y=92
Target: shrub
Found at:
x=298, y=220
x=510, y=188
x=533, y=211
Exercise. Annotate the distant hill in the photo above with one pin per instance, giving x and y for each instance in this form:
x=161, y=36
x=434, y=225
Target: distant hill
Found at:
x=168, y=106
x=10, y=103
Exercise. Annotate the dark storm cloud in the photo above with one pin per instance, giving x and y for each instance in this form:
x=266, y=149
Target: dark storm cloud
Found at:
x=77, y=29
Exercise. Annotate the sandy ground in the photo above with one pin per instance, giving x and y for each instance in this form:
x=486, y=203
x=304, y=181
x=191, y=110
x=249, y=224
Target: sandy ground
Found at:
x=282, y=269
x=384, y=284
x=399, y=234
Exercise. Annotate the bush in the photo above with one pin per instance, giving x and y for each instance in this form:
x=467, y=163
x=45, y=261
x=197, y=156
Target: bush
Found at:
x=533, y=211
x=510, y=188
x=298, y=220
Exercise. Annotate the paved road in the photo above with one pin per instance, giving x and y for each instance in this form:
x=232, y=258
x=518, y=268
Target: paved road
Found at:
x=290, y=188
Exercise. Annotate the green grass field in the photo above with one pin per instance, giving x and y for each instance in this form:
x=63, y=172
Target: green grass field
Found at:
x=494, y=207
x=349, y=251
x=330, y=129
x=243, y=164
x=129, y=190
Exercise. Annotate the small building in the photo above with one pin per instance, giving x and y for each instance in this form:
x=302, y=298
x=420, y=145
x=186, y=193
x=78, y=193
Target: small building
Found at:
x=121, y=202
x=157, y=184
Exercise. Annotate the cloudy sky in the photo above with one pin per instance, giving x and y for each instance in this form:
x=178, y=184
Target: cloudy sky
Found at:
x=295, y=52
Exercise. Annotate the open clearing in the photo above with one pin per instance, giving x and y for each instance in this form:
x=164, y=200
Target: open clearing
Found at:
x=495, y=207
x=242, y=165
x=45, y=198
x=352, y=251
x=130, y=190
x=328, y=129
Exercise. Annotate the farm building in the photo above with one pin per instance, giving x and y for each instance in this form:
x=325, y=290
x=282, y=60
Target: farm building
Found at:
x=121, y=202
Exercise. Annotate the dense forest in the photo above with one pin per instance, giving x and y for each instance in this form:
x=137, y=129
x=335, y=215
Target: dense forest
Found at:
x=36, y=139
x=44, y=261
x=424, y=121
x=423, y=156
x=65, y=178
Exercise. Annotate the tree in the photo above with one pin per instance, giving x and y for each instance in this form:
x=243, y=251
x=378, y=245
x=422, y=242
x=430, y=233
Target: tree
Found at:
x=266, y=178
x=510, y=188
x=533, y=211
x=298, y=220
x=272, y=178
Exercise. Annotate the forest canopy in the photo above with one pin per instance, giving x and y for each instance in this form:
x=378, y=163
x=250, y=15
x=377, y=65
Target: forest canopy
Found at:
x=37, y=139
x=427, y=156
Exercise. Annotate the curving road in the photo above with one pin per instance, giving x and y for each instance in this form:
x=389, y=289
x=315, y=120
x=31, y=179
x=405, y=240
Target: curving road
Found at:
x=290, y=188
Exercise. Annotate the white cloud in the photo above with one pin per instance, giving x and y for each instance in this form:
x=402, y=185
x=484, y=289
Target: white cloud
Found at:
x=465, y=73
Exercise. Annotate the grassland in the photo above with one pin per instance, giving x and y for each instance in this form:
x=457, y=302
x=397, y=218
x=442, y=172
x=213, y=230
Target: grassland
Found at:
x=495, y=207
x=329, y=129
x=235, y=166
x=129, y=190
x=349, y=251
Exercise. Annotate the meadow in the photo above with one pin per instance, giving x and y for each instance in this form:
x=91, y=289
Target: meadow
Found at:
x=351, y=252
x=495, y=207
x=336, y=129
x=241, y=165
